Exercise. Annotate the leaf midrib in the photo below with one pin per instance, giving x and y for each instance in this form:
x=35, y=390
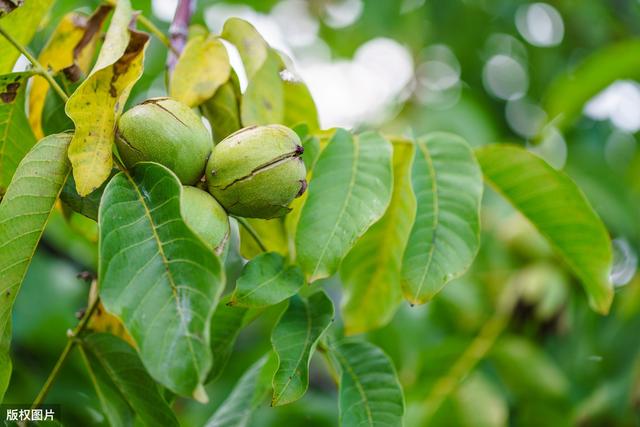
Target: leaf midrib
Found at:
x=345, y=363
x=356, y=159
x=302, y=353
x=165, y=263
x=436, y=215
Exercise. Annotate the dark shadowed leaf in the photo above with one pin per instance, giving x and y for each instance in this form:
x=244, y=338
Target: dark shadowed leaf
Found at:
x=123, y=386
x=249, y=393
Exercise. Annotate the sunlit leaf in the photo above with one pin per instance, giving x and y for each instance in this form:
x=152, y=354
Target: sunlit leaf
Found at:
x=98, y=102
x=566, y=96
x=252, y=47
x=370, y=394
x=71, y=45
x=223, y=109
x=267, y=280
x=263, y=101
x=22, y=23
x=16, y=137
x=371, y=271
x=201, y=69
x=299, y=106
x=157, y=276
x=123, y=386
x=559, y=210
x=445, y=237
x=350, y=190
x=294, y=340
x=24, y=212
x=249, y=393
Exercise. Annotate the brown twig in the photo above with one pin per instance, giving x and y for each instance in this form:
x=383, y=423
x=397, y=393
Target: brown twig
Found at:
x=179, y=30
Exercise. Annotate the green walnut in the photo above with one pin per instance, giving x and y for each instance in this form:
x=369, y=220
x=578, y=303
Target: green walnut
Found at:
x=168, y=132
x=205, y=217
x=256, y=172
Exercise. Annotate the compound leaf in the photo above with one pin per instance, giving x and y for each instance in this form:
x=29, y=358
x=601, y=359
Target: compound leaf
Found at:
x=24, y=212
x=350, y=190
x=157, y=276
x=294, y=340
x=445, y=237
x=559, y=210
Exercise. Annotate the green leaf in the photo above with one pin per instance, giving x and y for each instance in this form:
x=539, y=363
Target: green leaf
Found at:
x=299, y=106
x=24, y=212
x=559, y=210
x=158, y=276
x=97, y=103
x=267, y=280
x=249, y=393
x=223, y=109
x=16, y=137
x=371, y=271
x=87, y=206
x=445, y=237
x=350, y=190
x=226, y=323
x=567, y=95
x=123, y=386
x=22, y=23
x=263, y=101
x=370, y=393
x=201, y=69
x=253, y=49
x=294, y=340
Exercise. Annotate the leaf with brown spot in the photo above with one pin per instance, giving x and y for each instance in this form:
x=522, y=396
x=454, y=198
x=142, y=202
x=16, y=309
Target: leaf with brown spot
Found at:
x=16, y=137
x=98, y=102
x=70, y=49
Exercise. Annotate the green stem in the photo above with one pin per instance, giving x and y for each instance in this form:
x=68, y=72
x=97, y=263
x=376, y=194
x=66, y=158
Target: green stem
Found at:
x=38, y=67
x=252, y=232
x=331, y=367
x=149, y=26
x=472, y=355
x=71, y=343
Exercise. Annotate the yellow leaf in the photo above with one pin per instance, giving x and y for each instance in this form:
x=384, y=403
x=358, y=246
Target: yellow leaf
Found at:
x=202, y=68
x=98, y=102
x=22, y=24
x=71, y=44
